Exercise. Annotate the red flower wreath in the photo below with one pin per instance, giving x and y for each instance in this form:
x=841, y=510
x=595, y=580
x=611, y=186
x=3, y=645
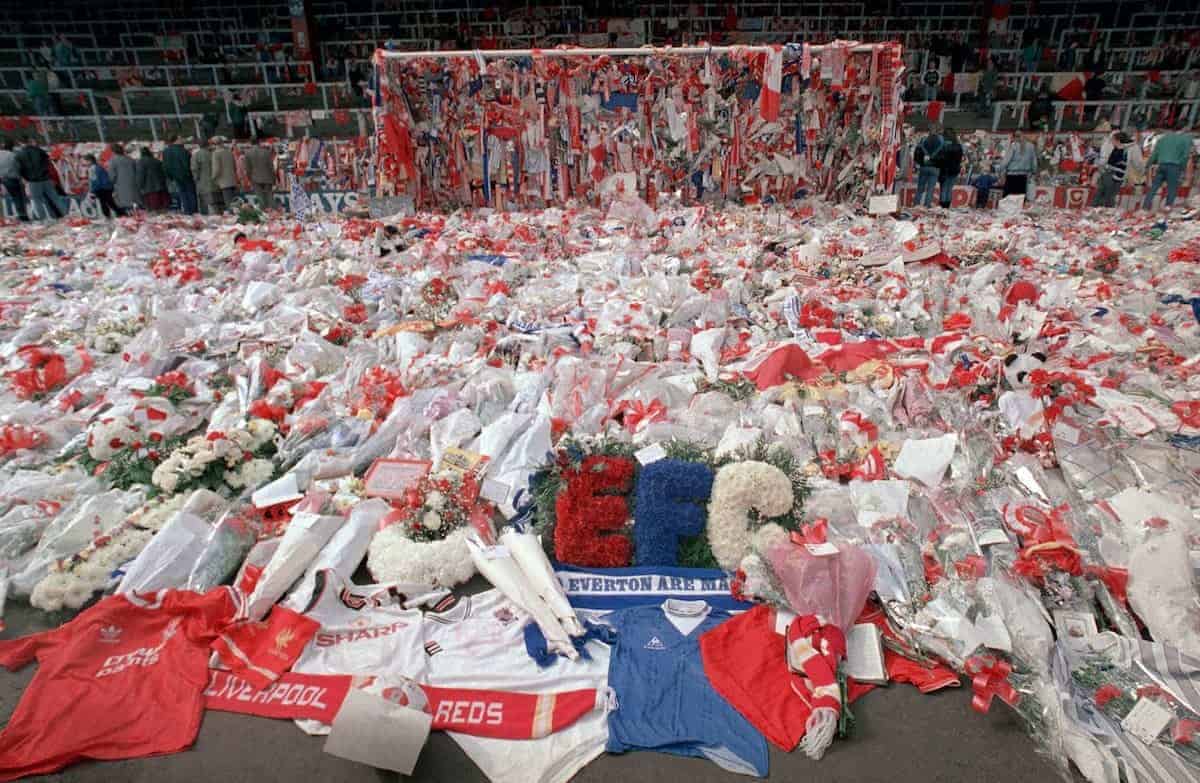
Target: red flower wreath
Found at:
x=585, y=533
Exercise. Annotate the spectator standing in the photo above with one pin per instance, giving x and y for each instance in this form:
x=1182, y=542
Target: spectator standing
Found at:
x=926, y=158
x=37, y=87
x=123, y=173
x=260, y=168
x=238, y=118
x=45, y=55
x=949, y=167
x=904, y=157
x=983, y=184
x=1041, y=109
x=931, y=79
x=10, y=176
x=209, y=123
x=152, y=182
x=224, y=173
x=1019, y=165
x=206, y=190
x=35, y=167
x=987, y=87
x=1168, y=161
x=177, y=165
x=1112, y=173
x=65, y=53
x=100, y=186
x=1031, y=55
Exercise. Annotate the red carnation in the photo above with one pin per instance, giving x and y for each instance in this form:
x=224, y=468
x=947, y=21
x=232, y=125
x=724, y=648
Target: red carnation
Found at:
x=1105, y=694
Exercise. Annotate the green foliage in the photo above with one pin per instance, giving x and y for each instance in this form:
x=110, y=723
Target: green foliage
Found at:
x=696, y=552
x=176, y=394
x=738, y=389
x=248, y=215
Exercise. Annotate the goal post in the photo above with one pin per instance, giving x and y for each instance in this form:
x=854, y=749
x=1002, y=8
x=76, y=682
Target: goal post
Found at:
x=525, y=128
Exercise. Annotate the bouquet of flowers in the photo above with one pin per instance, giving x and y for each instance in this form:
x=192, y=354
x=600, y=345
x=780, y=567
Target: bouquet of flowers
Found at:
x=72, y=581
x=220, y=461
x=181, y=263
x=436, y=301
x=110, y=334
x=424, y=538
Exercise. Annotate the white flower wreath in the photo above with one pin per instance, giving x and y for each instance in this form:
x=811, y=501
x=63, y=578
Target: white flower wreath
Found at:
x=71, y=583
x=394, y=557
x=737, y=488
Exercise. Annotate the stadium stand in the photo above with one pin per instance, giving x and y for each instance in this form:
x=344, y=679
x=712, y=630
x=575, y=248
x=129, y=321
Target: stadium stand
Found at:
x=82, y=73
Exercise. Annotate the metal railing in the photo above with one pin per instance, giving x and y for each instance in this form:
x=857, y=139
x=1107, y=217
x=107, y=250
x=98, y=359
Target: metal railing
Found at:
x=171, y=73
x=361, y=115
x=1120, y=112
x=44, y=123
x=226, y=90
x=89, y=95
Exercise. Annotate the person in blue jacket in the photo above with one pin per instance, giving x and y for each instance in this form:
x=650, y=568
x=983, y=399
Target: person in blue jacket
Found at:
x=101, y=187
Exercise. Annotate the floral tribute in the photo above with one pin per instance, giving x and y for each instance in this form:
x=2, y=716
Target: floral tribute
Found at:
x=424, y=538
x=45, y=370
x=683, y=512
x=231, y=460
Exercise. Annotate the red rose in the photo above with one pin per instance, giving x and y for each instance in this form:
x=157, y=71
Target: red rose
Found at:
x=1105, y=694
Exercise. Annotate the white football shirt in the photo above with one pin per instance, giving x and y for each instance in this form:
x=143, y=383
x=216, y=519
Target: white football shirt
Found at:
x=479, y=642
x=366, y=631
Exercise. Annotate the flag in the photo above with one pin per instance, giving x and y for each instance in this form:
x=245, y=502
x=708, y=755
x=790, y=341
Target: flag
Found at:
x=1067, y=86
x=768, y=97
x=301, y=204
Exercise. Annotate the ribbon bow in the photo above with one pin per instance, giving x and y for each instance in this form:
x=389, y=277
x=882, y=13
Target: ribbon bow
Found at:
x=815, y=533
x=1047, y=543
x=1188, y=412
x=637, y=413
x=989, y=679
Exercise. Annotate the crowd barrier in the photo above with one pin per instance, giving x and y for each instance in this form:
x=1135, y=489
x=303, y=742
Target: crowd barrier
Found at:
x=1056, y=196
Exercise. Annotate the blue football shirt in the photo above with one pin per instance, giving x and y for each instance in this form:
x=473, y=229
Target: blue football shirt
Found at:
x=664, y=699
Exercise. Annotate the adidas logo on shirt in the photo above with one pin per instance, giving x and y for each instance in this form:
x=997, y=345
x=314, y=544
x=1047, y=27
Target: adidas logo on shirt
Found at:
x=655, y=644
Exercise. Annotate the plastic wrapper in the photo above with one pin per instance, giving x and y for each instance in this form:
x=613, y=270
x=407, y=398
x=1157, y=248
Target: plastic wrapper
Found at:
x=169, y=557
x=345, y=549
x=830, y=581
x=306, y=535
x=73, y=528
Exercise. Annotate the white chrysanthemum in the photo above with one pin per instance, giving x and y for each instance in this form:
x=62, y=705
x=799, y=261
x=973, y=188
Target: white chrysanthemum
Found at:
x=261, y=431
x=165, y=477
x=256, y=472
x=431, y=520
x=435, y=500
x=394, y=557
x=243, y=439
x=736, y=489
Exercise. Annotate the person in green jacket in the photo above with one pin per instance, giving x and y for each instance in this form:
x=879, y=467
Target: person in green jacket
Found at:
x=1169, y=159
x=177, y=163
x=38, y=90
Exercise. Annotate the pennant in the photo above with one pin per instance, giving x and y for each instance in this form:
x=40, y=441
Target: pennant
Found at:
x=768, y=97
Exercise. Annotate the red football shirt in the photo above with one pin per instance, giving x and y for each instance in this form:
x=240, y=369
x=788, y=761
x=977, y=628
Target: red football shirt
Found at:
x=123, y=679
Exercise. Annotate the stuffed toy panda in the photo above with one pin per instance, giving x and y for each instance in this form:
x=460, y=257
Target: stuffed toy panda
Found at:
x=1017, y=367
